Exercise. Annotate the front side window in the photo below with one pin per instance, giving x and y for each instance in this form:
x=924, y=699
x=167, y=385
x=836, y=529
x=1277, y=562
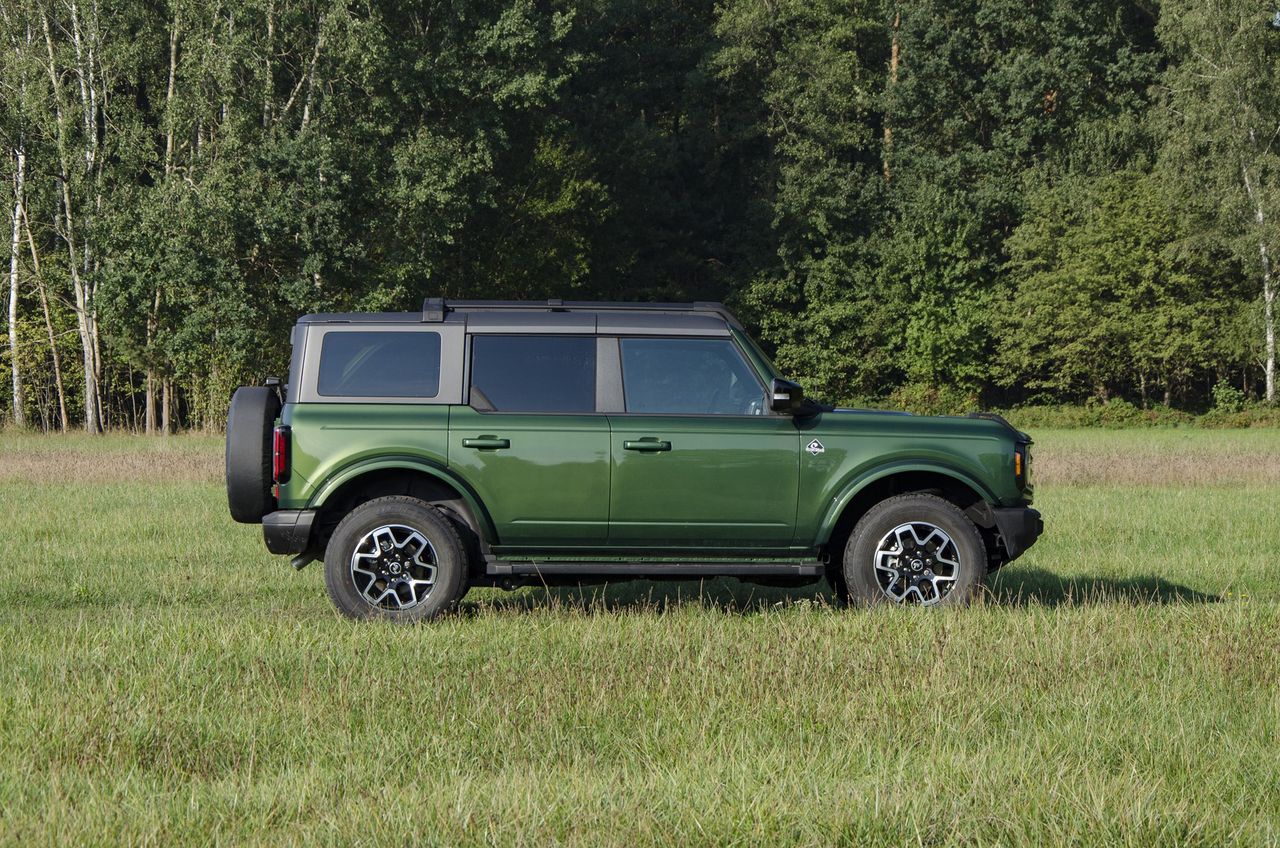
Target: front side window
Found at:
x=679, y=376
x=533, y=373
x=388, y=364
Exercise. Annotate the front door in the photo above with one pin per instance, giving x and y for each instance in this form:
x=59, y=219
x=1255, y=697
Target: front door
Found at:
x=531, y=442
x=699, y=461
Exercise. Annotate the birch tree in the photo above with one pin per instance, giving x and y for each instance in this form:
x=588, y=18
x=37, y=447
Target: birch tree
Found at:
x=1222, y=112
x=19, y=206
x=77, y=170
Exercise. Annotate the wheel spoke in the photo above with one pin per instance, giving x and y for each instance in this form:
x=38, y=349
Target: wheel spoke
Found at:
x=916, y=562
x=393, y=567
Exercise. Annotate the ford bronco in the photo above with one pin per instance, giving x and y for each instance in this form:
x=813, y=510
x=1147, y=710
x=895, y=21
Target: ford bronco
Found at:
x=510, y=443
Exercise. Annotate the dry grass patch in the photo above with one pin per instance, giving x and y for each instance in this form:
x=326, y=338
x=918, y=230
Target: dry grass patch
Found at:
x=1144, y=457
x=1156, y=457
x=113, y=458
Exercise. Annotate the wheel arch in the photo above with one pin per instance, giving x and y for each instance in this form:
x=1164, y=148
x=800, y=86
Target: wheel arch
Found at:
x=402, y=475
x=873, y=486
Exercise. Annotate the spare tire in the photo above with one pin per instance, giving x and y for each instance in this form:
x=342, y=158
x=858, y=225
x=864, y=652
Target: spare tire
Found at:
x=254, y=410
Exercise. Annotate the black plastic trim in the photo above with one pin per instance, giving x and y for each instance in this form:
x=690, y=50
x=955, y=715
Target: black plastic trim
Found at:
x=288, y=531
x=660, y=569
x=557, y=305
x=1019, y=527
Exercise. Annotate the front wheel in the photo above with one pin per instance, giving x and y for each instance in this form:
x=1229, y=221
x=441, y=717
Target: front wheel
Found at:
x=395, y=558
x=914, y=549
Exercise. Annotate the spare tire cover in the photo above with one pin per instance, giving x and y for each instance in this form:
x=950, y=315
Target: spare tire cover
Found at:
x=254, y=410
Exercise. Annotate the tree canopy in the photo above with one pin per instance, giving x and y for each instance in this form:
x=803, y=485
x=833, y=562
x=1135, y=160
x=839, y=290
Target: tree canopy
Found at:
x=1013, y=202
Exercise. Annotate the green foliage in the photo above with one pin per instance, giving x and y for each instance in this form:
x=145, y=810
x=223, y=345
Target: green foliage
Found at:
x=931, y=399
x=1095, y=414
x=1220, y=118
x=1227, y=398
x=1030, y=204
x=1109, y=296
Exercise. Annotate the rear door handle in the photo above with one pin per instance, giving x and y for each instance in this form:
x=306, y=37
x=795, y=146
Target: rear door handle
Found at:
x=486, y=443
x=646, y=445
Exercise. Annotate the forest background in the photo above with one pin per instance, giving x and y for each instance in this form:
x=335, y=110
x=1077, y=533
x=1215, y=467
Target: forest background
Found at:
x=934, y=205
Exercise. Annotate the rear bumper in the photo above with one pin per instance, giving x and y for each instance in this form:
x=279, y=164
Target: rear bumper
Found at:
x=1019, y=528
x=288, y=531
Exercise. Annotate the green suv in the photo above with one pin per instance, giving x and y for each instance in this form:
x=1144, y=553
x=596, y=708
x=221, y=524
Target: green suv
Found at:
x=514, y=443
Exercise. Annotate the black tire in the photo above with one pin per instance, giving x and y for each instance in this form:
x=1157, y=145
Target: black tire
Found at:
x=254, y=410
x=350, y=592
x=898, y=523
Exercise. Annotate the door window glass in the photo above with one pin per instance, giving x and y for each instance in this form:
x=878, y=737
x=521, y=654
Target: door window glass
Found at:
x=680, y=376
x=382, y=364
x=533, y=373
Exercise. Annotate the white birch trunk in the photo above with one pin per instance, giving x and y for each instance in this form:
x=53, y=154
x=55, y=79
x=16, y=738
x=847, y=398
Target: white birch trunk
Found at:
x=1269, y=320
x=1268, y=283
x=86, y=322
x=19, y=201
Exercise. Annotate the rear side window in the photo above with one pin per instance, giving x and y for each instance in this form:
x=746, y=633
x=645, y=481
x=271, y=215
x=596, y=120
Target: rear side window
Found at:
x=382, y=364
x=533, y=373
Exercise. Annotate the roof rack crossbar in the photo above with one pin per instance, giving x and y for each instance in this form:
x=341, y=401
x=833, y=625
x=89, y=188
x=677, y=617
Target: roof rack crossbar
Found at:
x=438, y=306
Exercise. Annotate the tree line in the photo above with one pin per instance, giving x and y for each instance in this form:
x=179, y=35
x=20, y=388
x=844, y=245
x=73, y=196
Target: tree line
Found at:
x=995, y=201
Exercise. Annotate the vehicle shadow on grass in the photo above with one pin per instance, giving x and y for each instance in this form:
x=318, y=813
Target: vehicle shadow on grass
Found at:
x=723, y=594
x=1038, y=586
x=1017, y=587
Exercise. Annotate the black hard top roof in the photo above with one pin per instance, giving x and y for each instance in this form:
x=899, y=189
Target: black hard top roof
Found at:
x=481, y=315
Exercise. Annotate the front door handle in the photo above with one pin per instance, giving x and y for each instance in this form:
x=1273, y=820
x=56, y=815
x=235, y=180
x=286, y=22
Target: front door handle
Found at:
x=646, y=445
x=486, y=443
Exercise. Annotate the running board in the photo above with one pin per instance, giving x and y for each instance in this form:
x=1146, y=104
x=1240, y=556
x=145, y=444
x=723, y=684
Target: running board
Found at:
x=782, y=568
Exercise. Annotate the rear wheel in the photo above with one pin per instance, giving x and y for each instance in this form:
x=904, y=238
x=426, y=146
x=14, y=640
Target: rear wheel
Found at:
x=395, y=558
x=914, y=549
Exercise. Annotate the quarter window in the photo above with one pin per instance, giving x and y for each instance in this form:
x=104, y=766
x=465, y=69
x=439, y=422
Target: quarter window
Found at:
x=533, y=373
x=387, y=364
x=680, y=376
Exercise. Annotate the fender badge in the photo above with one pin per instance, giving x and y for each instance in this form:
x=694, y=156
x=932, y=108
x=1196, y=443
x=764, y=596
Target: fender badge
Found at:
x=815, y=447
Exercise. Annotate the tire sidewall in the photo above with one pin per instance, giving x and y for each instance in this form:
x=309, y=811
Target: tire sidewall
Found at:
x=250, y=421
x=859, y=557
x=438, y=530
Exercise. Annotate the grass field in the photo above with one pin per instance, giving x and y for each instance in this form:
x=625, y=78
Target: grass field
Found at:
x=165, y=681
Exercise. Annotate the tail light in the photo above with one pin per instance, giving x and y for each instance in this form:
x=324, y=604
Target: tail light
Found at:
x=280, y=454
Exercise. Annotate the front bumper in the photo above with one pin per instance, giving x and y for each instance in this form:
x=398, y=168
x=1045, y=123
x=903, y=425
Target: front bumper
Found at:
x=288, y=531
x=1019, y=527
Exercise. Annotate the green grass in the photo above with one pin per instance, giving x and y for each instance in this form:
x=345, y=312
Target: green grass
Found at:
x=163, y=680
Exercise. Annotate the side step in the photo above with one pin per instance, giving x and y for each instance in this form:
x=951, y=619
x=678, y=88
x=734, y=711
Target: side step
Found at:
x=783, y=568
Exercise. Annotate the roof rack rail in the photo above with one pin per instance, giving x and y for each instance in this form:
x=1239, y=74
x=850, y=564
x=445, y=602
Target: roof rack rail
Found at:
x=434, y=308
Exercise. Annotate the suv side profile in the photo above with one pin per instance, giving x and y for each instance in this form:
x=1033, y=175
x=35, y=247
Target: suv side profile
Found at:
x=498, y=443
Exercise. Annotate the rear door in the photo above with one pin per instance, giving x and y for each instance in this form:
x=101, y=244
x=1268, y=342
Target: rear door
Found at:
x=531, y=442
x=699, y=461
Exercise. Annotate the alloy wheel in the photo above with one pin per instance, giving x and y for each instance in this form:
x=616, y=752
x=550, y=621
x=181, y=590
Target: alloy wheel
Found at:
x=917, y=562
x=393, y=567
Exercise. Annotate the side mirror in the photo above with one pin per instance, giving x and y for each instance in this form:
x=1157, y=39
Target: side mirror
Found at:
x=786, y=397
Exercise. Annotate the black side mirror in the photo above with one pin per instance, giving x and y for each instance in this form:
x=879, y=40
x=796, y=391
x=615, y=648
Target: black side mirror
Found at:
x=786, y=397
